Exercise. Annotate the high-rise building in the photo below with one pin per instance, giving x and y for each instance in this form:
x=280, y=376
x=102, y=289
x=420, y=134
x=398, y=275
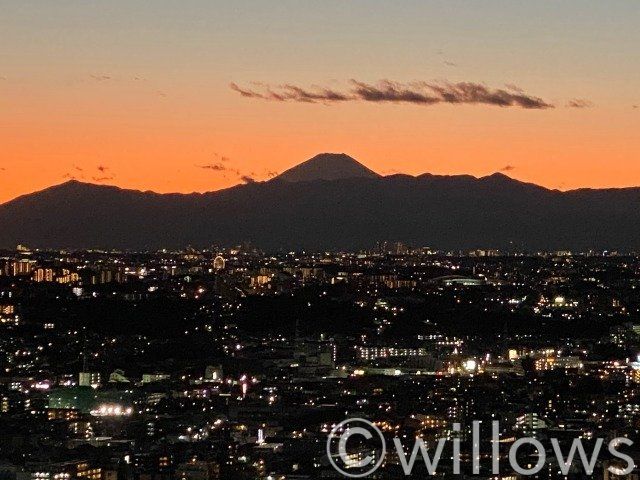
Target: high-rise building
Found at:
x=88, y=379
x=42, y=275
x=21, y=267
x=213, y=373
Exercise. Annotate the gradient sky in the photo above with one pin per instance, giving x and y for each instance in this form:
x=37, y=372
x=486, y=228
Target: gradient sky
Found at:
x=136, y=93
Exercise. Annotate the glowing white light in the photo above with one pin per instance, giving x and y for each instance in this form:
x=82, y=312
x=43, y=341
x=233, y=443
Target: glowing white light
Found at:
x=470, y=365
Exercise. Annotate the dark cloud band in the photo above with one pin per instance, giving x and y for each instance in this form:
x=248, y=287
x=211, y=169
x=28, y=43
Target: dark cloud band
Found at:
x=387, y=91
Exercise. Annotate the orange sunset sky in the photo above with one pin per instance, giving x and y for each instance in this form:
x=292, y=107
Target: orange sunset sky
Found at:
x=197, y=95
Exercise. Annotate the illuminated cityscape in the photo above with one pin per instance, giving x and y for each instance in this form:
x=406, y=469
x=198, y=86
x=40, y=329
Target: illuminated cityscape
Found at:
x=236, y=363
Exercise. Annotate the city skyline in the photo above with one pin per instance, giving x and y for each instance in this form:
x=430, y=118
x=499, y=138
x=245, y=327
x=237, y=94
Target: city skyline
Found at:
x=209, y=95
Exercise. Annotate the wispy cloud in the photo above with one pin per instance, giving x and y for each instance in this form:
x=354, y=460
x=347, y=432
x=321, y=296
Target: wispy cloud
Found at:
x=221, y=164
x=100, y=176
x=218, y=167
x=387, y=91
x=507, y=168
x=224, y=166
x=579, y=103
x=393, y=92
x=101, y=78
x=284, y=93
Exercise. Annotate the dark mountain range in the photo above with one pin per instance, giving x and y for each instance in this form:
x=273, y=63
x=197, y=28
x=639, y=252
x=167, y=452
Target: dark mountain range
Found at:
x=449, y=212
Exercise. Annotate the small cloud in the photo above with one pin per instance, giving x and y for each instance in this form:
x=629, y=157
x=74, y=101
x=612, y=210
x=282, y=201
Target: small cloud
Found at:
x=579, y=103
x=69, y=176
x=78, y=168
x=2, y=169
x=218, y=167
x=450, y=64
x=634, y=106
x=245, y=92
x=160, y=93
x=101, y=78
x=221, y=165
x=507, y=168
x=102, y=176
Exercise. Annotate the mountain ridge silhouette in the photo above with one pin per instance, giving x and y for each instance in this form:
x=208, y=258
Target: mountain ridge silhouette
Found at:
x=449, y=212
